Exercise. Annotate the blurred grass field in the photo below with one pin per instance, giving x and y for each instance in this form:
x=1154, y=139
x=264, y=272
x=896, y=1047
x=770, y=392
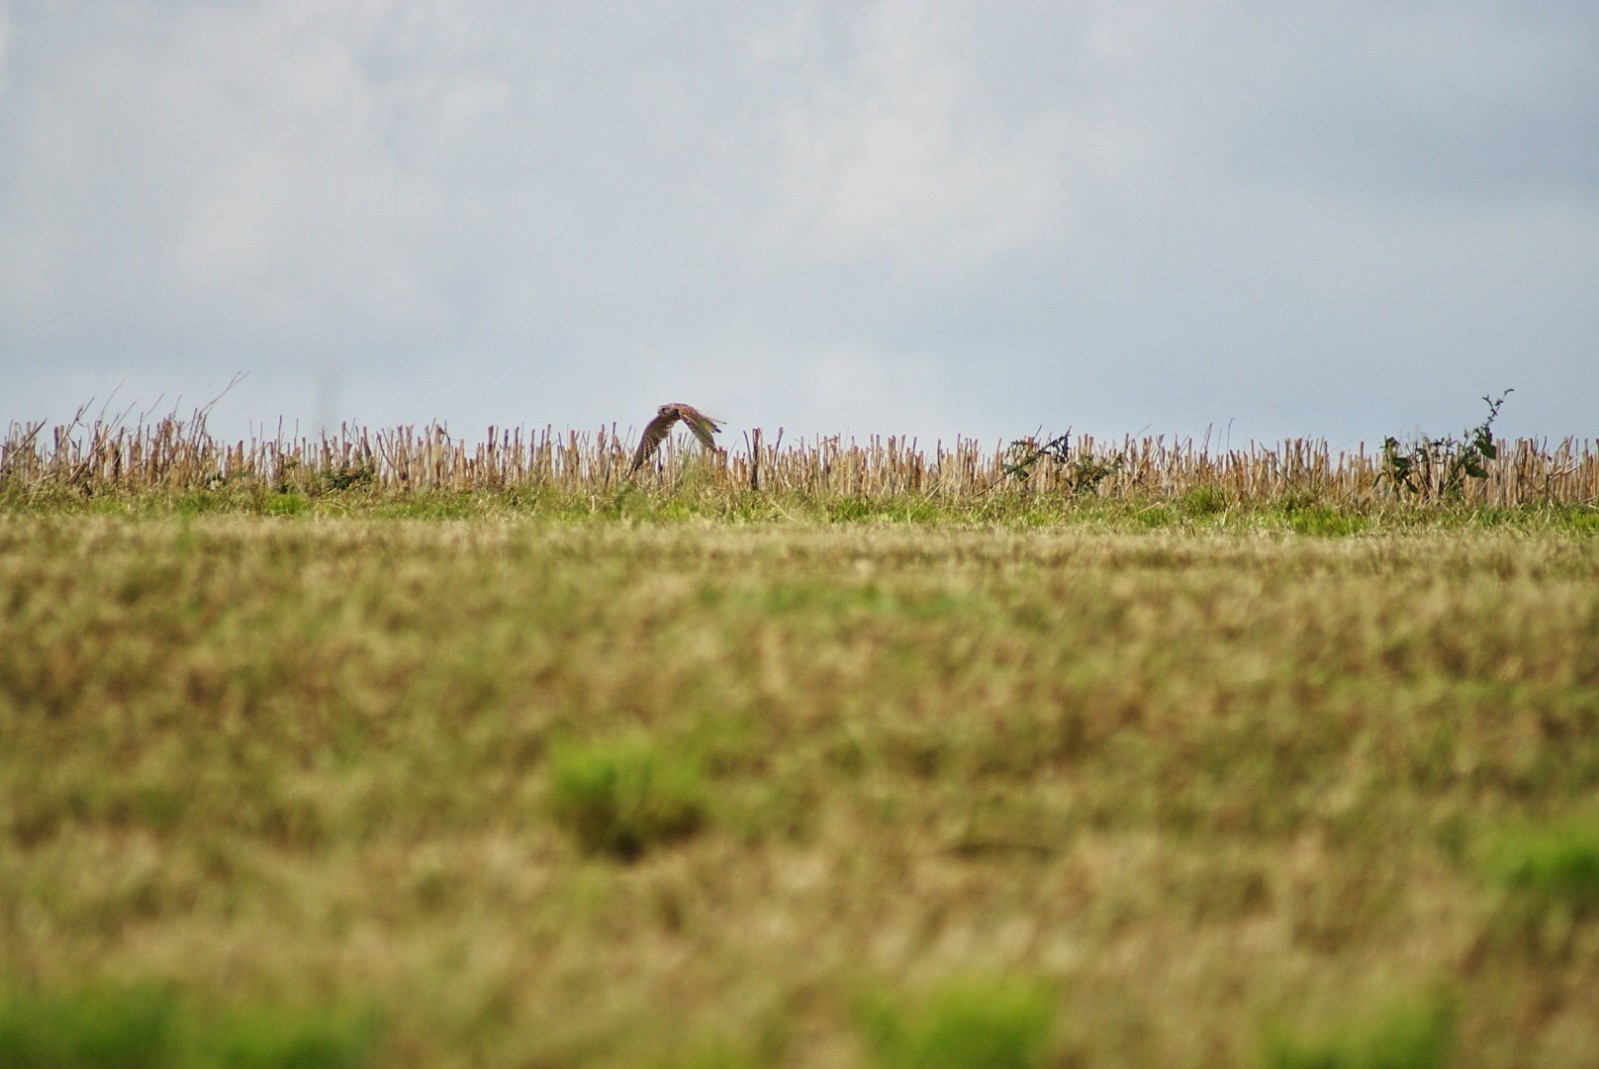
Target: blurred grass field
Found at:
x=639, y=782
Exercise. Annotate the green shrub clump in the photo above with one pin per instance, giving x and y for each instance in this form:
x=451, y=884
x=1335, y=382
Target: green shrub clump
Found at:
x=1553, y=866
x=148, y=1026
x=624, y=796
x=974, y=1022
x=1407, y=1034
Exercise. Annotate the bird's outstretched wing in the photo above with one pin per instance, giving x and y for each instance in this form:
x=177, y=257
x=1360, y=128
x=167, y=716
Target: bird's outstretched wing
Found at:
x=655, y=431
x=702, y=425
x=654, y=434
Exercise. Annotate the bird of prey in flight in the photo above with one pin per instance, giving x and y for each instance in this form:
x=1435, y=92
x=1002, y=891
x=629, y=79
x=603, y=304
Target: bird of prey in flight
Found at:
x=655, y=430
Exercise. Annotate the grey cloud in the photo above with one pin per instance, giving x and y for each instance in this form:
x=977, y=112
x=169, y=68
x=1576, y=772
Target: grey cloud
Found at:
x=1333, y=219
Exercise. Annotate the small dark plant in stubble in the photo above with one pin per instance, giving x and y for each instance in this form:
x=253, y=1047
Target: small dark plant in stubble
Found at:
x=1437, y=468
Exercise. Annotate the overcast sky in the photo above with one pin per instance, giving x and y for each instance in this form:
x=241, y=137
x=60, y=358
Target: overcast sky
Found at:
x=1336, y=220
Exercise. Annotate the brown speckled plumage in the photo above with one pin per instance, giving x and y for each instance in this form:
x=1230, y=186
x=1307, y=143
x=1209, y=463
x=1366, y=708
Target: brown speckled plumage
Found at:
x=702, y=426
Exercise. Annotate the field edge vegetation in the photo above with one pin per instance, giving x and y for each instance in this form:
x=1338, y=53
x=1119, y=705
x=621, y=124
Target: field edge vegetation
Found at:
x=180, y=464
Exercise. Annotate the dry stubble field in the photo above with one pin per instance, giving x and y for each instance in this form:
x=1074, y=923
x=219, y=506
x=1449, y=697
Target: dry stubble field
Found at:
x=511, y=791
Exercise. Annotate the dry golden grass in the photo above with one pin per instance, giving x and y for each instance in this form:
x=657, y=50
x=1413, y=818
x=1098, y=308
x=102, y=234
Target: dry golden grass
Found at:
x=1141, y=798
x=172, y=456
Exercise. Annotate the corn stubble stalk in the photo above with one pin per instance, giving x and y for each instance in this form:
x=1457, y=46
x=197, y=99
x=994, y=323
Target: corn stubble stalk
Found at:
x=173, y=455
